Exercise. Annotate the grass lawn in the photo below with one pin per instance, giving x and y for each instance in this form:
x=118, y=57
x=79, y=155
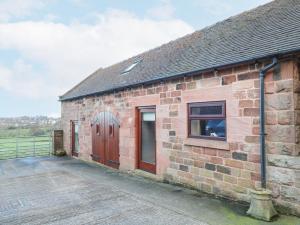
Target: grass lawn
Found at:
x=13, y=147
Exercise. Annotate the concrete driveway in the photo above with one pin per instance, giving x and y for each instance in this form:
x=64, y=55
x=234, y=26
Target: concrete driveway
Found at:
x=68, y=191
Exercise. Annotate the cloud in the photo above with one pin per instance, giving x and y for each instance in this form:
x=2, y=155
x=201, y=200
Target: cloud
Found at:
x=214, y=7
x=165, y=10
x=22, y=80
x=6, y=75
x=18, y=8
x=56, y=56
x=226, y=8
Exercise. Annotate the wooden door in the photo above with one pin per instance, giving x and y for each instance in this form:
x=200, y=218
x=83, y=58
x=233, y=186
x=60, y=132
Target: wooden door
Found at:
x=147, y=139
x=112, y=141
x=105, y=139
x=98, y=138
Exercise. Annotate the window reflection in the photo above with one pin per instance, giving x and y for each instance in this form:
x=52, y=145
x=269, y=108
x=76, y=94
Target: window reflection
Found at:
x=211, y=128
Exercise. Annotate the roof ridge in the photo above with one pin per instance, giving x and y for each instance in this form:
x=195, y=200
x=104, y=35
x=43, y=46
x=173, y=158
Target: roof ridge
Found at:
x=248, y=36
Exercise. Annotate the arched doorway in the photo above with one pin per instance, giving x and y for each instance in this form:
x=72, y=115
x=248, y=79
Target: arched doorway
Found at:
x=105, y=139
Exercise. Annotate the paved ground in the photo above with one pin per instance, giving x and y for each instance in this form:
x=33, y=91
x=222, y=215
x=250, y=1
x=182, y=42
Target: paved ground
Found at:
x=67, y=191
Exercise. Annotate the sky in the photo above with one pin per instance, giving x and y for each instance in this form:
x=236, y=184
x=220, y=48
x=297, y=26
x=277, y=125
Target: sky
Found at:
x=48, y=46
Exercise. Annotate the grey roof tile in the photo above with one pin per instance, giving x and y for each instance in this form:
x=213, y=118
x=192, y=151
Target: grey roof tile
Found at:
x=268, y=30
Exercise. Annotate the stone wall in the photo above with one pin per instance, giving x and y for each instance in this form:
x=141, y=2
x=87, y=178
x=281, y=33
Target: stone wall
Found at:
x=282, y=99
x=228, y=168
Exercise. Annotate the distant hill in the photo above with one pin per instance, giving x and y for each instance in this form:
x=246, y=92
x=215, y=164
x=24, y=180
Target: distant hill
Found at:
x=28, y=122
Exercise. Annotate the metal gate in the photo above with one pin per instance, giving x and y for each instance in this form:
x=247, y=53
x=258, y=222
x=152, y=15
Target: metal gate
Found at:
x=30, y=146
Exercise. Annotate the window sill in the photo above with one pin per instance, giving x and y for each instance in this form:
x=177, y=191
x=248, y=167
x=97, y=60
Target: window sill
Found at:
x=207, y=143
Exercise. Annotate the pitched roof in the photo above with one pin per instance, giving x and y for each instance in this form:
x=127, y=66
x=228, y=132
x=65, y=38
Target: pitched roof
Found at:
x=268, y=30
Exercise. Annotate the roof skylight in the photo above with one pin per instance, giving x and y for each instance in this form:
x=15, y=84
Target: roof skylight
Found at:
x=129, y=68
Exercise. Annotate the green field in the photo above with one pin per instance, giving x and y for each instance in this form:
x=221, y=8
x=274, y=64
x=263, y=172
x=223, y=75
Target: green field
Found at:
x=17, y=147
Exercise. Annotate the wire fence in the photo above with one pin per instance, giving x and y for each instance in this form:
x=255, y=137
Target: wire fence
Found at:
x=20, y=147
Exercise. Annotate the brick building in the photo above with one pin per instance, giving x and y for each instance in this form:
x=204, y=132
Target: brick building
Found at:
x=188, y=111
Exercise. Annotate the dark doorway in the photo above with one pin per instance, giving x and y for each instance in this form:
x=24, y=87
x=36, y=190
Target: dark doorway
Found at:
x=105, y=139
x=147, y=139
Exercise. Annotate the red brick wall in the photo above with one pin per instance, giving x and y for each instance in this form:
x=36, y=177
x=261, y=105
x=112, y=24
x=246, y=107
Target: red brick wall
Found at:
x=228, y=168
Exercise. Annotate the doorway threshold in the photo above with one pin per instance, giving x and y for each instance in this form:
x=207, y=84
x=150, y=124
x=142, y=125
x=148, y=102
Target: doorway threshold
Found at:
x=147, y=175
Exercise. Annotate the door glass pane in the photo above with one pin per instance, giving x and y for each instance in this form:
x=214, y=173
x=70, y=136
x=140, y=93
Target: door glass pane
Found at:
x=148, y=116
x=209, y=127
x=148, y=137
x=76, y=129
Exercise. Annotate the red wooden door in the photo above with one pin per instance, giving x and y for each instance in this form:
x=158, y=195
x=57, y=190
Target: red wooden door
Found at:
x=112, y=141
x=147, y=139
x=105, y=139
x=98, y=139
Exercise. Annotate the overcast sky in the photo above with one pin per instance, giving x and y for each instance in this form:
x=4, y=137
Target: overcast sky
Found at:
x=48, y=46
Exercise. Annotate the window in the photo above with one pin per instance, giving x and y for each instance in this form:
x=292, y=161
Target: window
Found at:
x=207, y=120
x=129, y=68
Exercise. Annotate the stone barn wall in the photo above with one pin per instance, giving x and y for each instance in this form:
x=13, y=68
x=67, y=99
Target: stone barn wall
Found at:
x=227, y=168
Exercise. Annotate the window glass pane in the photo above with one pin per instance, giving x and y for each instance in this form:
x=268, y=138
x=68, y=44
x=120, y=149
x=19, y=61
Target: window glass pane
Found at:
x=207, y=110
x=195, y=128
x=129, y=68
x=210, y=127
